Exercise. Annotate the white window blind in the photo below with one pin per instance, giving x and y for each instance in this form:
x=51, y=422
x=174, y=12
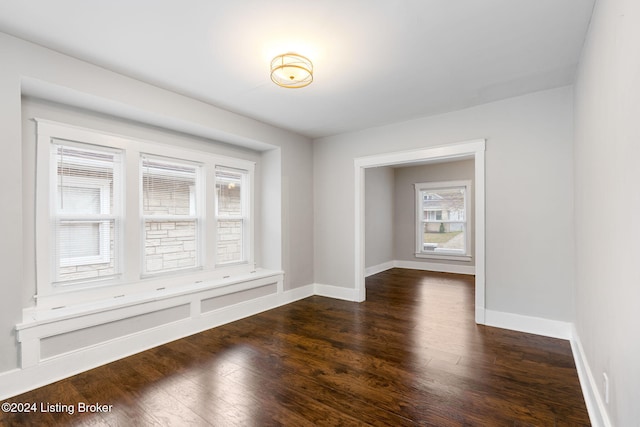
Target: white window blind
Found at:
x=171, y=210
x=86, y=209
x=232, y=215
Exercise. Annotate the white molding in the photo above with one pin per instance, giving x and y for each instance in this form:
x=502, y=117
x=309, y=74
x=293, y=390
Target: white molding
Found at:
x=443, y=256
x=528, y=324
x=296, y=294
x=433, y=266
x=440, y=152
x=592, y=398
x=375, y=269
x=45, y=372
x=420, y=265
x=337, y=292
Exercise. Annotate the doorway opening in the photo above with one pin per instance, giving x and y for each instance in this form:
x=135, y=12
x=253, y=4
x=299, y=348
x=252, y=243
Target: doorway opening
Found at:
x=464, y=150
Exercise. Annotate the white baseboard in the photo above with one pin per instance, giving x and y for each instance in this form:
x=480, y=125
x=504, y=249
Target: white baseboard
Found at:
x=375, y=269
x=434, y=266
x=337, y=292
x=18, y=381
x=531, y=325
x=595, y=405
x=420, y=265
x=564, y=330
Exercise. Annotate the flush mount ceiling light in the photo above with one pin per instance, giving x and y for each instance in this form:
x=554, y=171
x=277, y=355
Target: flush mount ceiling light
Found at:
x=291, y=70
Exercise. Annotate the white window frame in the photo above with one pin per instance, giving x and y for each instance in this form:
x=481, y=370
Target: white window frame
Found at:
x=104, y=255
x=442, y=254
x=47, y=288
x=244, y=216
x=196, y=207
x=130, y=280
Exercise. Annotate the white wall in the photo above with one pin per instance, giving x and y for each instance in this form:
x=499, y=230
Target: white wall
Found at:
x=529, y=233
x=28, y=68
x=607, y=202
x=405, y=196
x=379, y=220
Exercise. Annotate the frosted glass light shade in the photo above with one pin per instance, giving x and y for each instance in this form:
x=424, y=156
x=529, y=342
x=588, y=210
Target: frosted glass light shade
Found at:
x=291, y=70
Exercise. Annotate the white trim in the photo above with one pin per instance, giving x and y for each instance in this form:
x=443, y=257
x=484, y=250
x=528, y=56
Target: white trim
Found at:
x=417, y=265
x=528, y=324
x=469, y=149
x=18, y=381
x=592, y=398
x=444, y=256
x=438, y=267
x=337, y=292
x=375, y=269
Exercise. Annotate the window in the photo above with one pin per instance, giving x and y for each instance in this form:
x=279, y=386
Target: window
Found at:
x=231, y=214
x=85, y=211
x=434, y=215
x=170, y=214
x=116, y=215
x=442, y=229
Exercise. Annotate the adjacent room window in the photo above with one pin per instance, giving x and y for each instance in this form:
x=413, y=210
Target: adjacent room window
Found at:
x=86, y=212
x=116, y=215
x=170, y=214
x=442, y=227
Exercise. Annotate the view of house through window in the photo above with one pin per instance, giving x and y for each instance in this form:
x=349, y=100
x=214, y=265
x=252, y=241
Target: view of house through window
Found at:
x=442, y=218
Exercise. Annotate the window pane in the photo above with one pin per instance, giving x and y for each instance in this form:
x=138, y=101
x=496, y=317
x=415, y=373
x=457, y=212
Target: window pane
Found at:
x=444, y=237
x=85, y=180
x=168, y=188
x=443, y=204
x=170, y=245
x=85, y=250
x=87, y=199
x=79, y=239
x=443, y=220
x=229, y=192
x=75, y=199
x=230, y=241
x=231, y=211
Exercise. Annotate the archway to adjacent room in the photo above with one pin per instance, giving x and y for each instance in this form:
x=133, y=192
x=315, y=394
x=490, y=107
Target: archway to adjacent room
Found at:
x=468, y=149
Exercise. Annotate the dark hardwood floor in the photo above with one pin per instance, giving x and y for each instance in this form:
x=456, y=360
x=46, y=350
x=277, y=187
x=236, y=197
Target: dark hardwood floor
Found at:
x=410, y=355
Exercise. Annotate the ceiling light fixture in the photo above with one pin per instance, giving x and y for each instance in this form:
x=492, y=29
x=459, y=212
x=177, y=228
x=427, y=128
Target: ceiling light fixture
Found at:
x=291, y=70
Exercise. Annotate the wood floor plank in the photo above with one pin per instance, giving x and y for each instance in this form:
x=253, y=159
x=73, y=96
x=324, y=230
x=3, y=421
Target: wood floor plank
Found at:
x=410, y=355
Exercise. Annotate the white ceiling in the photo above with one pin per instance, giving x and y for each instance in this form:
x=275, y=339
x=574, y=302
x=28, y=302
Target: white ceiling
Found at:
x=376, y=61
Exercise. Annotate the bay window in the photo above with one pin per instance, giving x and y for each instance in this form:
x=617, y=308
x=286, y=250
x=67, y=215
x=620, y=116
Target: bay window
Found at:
x=116, y=215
